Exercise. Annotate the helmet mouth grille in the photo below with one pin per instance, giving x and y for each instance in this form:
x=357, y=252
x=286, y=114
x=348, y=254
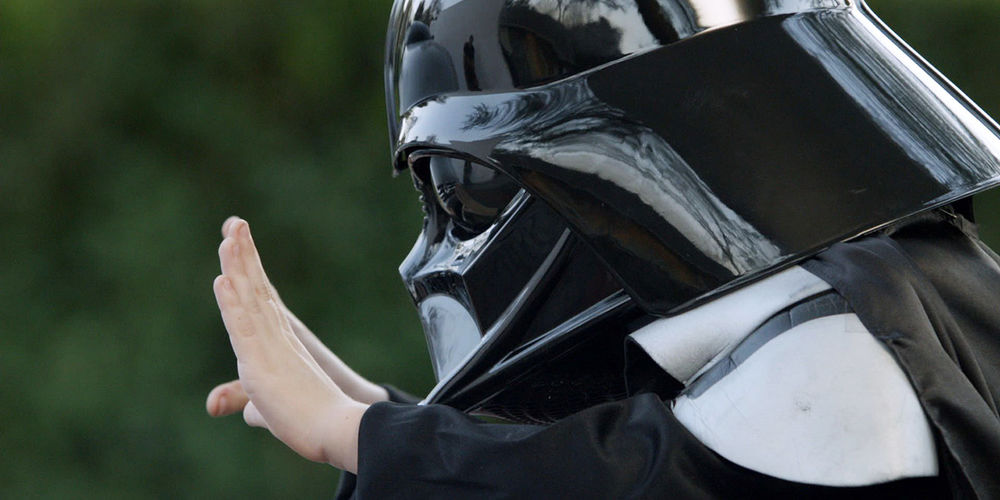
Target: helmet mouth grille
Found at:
x=586, y=376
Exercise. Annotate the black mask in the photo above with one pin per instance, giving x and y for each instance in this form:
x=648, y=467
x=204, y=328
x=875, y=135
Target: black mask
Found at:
x=626, y=154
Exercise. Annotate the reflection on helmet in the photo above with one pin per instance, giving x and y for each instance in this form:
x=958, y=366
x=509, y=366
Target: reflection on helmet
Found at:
x=472, y=195
x=589, y=165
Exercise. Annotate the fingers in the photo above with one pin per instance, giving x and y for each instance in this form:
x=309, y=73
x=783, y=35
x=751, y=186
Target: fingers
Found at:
x=228, y=224
x=251, y=261
x=228, y=231
x=241, y=264
x=234, y=314
x=233, y=261
x=259, y=331
x=226, y=399
x=289, y=394
x=242, y=269
x=254, y=294
x=236, y=242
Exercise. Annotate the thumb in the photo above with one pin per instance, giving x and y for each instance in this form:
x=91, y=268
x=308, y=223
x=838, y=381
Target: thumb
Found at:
x=226, y=399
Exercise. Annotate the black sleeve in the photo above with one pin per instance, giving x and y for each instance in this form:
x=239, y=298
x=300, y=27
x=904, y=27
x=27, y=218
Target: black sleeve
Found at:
x=348, y=481
x=629, y=449
x=398, y=396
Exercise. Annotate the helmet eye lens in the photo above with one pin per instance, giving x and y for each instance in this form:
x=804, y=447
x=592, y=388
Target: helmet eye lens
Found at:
x=472, y=195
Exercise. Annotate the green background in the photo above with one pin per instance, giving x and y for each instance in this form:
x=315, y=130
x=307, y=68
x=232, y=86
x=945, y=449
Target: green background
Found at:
x=129, y=130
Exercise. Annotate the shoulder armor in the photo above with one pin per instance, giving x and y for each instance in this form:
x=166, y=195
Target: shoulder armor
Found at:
x=822, y=403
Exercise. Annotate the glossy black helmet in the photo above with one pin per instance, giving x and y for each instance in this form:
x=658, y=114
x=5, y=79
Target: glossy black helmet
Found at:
x=588, y=165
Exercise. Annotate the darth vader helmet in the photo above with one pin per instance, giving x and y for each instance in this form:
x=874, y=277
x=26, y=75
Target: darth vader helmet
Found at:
x=587, y=166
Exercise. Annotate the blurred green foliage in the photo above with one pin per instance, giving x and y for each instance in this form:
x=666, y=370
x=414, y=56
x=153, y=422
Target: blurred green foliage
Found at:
x=129, y=129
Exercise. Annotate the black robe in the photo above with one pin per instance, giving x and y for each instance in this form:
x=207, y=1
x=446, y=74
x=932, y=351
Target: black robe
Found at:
x=927, y=290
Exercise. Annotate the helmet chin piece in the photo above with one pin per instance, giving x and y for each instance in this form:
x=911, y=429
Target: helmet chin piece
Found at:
x=669, y=162
x=484, y=299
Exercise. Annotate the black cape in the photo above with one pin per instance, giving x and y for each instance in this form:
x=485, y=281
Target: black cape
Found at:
x=929, y=292
x=926, y=290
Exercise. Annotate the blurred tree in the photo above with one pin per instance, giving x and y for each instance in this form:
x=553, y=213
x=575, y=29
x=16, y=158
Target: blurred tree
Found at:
x=129, y=129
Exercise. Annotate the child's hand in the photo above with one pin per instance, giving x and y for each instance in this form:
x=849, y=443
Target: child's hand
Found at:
x=288, y=392
x=226, y=399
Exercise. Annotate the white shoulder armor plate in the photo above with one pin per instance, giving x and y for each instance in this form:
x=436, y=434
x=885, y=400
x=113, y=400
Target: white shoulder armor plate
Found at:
x=822, y=403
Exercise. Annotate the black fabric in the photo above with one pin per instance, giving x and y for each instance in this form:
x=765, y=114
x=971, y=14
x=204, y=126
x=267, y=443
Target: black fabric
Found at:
x=348, y=481
x=643, y=375
x=929, y=293
x=398, y=396
x=628, y=449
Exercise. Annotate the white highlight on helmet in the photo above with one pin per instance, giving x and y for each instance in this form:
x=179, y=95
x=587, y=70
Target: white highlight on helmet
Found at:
x=699, y=215
x=910, y=117
x=586, y=137
x=571, y=128
x=451, y=332
x=719, y=12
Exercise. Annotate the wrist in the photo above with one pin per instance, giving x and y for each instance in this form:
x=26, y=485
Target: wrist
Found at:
x=340, y=448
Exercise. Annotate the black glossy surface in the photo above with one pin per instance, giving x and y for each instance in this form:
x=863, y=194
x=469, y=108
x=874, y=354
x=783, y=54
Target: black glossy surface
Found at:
x=472, y=195
x=482, y=297
x=441, y=46
x=681, y=148
x=733, y=160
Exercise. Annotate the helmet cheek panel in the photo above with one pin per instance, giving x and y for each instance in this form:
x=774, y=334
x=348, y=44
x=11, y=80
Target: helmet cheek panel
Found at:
x=451, y=331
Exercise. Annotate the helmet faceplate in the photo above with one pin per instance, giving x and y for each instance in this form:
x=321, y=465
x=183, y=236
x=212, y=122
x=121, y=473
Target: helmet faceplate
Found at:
x=683, y=147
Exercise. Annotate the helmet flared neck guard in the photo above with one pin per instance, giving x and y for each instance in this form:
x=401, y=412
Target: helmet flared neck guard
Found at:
x=689, y=147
